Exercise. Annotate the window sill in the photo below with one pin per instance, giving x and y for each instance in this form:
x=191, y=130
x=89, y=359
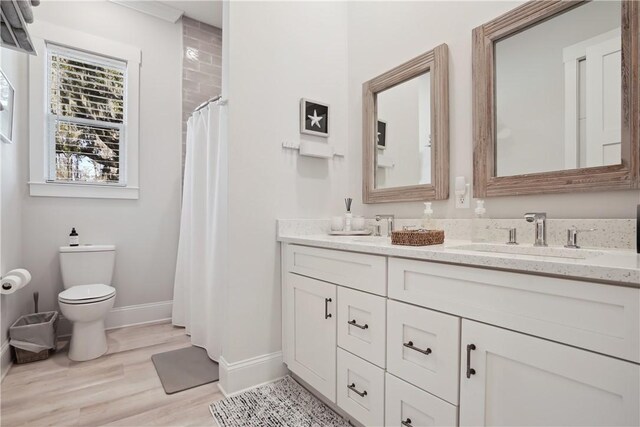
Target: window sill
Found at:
x=51, y=189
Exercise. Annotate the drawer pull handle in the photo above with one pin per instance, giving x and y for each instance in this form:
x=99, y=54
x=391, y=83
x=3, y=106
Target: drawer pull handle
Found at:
x=470, y=370
x=354, y=323
x=326, y=308
x=353, y=388
x=419, y=350
x=407, y=423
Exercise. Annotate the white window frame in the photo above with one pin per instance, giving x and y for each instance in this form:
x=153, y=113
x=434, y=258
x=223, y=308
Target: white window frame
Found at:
x=39, y=142
x=52, y=118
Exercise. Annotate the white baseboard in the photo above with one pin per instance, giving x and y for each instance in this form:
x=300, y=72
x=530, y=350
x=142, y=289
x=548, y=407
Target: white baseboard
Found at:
x=130, y=315
x=5, y=359
x=237, y=377
x=139, y=314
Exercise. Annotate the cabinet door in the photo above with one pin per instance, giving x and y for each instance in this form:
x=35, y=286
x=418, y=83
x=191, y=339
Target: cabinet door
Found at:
x=513, y=379
x=311, y=337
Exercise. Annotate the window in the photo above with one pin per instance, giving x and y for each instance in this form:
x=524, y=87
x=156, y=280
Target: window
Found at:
x=86, y=107
x=84, y=102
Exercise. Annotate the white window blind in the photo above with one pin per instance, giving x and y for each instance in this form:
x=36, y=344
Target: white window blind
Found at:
x=87, y=111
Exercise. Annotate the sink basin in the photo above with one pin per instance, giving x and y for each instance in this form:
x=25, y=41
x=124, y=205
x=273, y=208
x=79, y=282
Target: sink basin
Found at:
x=554, y=252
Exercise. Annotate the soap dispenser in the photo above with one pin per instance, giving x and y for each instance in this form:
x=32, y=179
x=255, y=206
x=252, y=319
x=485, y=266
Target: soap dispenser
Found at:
x=479, y=231
x=74, y=239
x=427, y=217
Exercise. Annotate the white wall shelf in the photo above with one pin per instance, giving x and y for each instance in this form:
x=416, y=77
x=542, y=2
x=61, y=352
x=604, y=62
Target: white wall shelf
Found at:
x=313, y=149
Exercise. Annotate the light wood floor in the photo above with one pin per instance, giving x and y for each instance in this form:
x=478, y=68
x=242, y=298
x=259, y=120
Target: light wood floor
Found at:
x=119, y=388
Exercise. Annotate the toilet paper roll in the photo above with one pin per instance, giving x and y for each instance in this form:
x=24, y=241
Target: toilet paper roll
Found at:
x=10, y=284
x=14, y=280
x=22, y=273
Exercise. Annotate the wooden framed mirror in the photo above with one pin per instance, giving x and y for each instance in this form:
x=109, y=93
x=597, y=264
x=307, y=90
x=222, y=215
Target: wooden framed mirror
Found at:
x=405, y=134
x=556, y=102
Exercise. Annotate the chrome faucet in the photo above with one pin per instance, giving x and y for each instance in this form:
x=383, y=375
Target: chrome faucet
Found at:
x=390, y=219
x=540, y=221
x=572, y=237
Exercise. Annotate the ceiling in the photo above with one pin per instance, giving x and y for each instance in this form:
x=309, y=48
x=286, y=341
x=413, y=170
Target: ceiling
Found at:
x=208, y=11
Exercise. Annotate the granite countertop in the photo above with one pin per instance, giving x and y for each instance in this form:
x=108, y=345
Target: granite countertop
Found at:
x=612, y=266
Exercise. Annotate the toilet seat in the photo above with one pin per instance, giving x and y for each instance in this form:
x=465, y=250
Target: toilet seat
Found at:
x=86, y=294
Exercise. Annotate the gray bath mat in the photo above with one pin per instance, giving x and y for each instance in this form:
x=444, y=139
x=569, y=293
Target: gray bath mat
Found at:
x=184, y=369
x=281, y=403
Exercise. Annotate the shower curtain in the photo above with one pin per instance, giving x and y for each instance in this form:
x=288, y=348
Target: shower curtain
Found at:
x=201, y=265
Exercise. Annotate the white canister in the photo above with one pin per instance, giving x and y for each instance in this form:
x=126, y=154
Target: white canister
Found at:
x=348, y=217
x=337, y=223
x=357, y=223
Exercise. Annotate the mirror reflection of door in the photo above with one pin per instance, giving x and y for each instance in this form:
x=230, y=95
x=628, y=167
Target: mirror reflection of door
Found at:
x=604, y=103
x=593, y=101
x=404, y=118
x=558, y=93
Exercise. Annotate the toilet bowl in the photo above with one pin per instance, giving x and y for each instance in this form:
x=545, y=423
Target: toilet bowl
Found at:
x=88, y=297
x=86, y=306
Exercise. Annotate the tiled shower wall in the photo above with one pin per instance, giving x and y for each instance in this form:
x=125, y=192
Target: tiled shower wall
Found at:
x=201, y=68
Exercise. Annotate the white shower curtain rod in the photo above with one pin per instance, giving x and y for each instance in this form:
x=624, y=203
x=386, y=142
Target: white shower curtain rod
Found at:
x=217, y=99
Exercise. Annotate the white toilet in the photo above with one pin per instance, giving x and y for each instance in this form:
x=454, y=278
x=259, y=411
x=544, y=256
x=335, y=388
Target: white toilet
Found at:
x=86, y=275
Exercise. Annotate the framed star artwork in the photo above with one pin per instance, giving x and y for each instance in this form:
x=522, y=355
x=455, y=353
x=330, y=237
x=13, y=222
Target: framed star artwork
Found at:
x=6, y=109
x=382, y=135
x=314, y=118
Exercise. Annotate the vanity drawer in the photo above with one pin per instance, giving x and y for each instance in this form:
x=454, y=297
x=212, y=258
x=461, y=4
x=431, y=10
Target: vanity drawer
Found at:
x=408, y=404
x=598, y=317
x=423, y=348
x=359, y=271
x=362, y=324
x=360, y=389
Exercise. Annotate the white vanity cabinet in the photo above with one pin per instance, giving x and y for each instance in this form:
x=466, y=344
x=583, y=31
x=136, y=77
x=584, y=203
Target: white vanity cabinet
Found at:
x=311, y=343
x=597, y=317
x=508, y=378
x=402, y=342
x=310, y=312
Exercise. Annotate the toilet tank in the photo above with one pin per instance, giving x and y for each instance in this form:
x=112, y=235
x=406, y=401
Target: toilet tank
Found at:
x=87, y=264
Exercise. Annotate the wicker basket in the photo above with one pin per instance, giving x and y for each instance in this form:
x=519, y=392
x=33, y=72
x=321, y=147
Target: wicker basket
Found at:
x=24, y=356
x=417, y=237
x=39, y=329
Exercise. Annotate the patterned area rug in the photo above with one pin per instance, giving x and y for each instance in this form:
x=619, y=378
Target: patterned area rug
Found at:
x=280, y=403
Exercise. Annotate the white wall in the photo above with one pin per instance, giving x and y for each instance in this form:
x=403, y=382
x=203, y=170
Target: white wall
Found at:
x=145, y=231
x=278, y=53
x=382, y=35
x=12, y=191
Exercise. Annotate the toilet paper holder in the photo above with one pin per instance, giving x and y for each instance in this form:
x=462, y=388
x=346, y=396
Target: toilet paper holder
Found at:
x=23, y=278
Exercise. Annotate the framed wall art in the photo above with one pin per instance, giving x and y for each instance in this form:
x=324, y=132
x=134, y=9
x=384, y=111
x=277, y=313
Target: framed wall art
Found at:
x=314, y=118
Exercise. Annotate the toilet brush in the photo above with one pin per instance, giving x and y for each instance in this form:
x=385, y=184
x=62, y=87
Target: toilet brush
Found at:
x=36, y=295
